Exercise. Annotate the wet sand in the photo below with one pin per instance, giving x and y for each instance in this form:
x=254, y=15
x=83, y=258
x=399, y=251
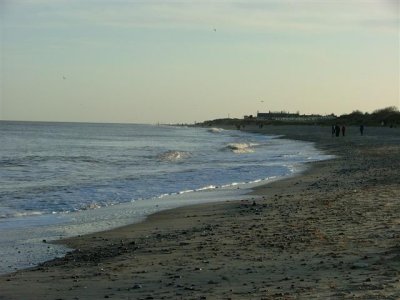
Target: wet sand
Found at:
x=331, y=233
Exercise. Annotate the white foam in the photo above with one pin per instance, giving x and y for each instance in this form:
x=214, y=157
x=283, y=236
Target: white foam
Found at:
x=186, y=191
x=205, y=188
x=240, y=147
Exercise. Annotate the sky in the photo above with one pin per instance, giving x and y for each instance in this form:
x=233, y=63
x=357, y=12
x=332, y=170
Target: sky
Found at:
x=189, y=61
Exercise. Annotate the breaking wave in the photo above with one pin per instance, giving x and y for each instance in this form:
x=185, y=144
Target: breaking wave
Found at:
x=241, y=147
x=14, y=214
x=215, y=130
x=173, y=155
x=31, y=159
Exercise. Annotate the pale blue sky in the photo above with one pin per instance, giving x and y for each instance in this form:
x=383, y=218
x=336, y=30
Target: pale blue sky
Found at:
x=162, y=61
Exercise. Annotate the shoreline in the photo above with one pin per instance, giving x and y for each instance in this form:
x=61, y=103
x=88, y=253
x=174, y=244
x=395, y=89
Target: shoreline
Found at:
x=333, y=231
x=22, y=245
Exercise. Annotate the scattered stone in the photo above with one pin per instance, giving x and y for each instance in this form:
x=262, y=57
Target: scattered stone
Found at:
x=360, y=265
x=224, y=278
x=137, y=286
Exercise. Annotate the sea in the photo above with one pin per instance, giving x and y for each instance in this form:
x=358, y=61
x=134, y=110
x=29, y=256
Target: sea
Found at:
x=65, y=179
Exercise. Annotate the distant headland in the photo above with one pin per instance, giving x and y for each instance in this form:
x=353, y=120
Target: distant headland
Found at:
x=389, y=116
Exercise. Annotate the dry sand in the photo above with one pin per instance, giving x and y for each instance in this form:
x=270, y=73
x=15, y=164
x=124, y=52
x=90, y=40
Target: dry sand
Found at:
x=331, y=233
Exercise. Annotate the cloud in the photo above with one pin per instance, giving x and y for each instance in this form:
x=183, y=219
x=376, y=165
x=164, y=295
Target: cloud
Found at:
x=266, y=15
x=282, y=15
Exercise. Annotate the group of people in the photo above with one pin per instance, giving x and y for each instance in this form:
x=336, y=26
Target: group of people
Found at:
x=336, y=129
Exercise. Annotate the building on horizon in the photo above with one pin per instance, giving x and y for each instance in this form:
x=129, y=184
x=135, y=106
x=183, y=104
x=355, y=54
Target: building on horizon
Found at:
x=291, y=117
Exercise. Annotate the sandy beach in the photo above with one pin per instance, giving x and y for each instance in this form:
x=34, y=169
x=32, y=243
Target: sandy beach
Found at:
x=332, y=232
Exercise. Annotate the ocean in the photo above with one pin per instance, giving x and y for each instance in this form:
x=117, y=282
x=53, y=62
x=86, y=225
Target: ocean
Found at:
x=64, y=179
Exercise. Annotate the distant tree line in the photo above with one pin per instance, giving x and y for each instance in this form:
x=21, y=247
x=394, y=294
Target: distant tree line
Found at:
x=389, y=116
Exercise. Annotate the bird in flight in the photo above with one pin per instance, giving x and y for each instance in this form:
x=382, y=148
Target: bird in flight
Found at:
x=64, y=77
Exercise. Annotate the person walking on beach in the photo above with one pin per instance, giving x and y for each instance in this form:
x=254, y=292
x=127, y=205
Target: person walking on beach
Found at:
x=362, y=129
x=333, y=130
x=337, y=130
x=343, y=130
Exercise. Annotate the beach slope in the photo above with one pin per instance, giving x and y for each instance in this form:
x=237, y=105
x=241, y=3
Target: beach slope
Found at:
x=332, y=232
